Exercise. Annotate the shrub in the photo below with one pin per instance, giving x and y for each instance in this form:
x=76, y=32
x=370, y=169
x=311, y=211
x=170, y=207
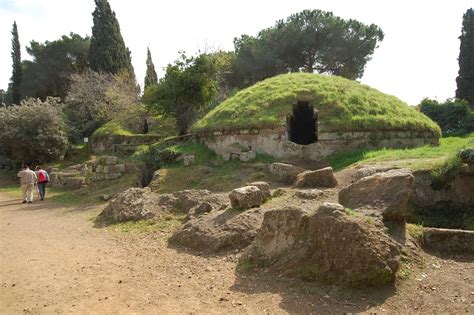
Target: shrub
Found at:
x=453, y=116
x=33, y=131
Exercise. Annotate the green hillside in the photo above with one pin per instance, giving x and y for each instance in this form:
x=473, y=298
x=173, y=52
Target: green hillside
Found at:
x=343, y=105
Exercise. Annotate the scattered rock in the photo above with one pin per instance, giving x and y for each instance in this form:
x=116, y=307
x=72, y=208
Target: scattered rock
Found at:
x=188, y=160
x=309, y=194
x=246, y=197
x=264, y=187
x=328, y=245
x=285, y=172
x=104, y=197
x=320, y=178
x=204, y=207
x=387, y=191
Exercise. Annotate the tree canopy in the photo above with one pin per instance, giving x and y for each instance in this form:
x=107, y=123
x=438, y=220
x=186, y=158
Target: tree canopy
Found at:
x=48, y=74
x=15, y=80
x=188, y=85
x=308, y=41
x=108, y=52
x=465, y=79
x=150, y=78
x=96, y=98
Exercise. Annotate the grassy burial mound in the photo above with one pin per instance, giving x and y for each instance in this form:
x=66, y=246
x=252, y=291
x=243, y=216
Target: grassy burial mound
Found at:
x=343, y=105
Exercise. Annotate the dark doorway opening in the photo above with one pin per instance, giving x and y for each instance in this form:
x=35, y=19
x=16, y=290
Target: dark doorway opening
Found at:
x=302, y=124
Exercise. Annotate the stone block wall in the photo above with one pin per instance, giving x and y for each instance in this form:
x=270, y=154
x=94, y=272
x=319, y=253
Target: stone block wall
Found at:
x=275, y=142
x=76, y=176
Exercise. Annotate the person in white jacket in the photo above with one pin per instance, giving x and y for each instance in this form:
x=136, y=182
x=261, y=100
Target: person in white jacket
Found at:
x=28, y=180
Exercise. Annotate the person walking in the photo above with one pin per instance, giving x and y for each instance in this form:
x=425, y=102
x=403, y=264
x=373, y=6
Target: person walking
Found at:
x=28, y=180
x=43, y=179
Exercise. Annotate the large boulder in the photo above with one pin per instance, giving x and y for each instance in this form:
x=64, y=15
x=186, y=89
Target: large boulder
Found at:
x=387, y=191
x=328, y=245
x=320, y=178
x=285, y=172
x=142, y=203
x=218, y=231
x=132, y=204
x=246, y=197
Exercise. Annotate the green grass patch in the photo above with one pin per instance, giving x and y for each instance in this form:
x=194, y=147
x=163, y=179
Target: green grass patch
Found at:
x=416, y=231
x=165, y=224
x=111, y=128
x=343, y=105
x=426, y=157
x=350, y=212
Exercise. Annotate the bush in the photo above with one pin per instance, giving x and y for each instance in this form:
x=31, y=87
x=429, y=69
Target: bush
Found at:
x=453, y=116
x=33, y=131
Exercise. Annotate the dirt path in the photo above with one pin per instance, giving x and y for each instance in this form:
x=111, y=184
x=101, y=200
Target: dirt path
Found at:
x=53, y=261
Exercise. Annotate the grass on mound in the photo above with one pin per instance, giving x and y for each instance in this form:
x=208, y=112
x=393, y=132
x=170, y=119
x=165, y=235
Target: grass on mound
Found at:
x=343, y=105
x=426, y=157
x=127, y=122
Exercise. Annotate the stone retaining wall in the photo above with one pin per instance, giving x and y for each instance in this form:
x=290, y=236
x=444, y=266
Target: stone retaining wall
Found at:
x=275, y=142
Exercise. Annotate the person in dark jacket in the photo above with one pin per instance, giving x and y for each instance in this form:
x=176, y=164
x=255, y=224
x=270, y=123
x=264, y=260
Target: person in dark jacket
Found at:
x=43, y=179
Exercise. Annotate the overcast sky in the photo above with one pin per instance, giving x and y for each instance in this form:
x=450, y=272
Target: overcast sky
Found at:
x=417, y=58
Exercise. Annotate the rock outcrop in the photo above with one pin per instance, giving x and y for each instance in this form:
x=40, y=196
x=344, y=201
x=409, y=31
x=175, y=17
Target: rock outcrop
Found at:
x=219, y=230
x=319, y=178
x=132, y=204
x=328, y=245
x=142, y=203
x=457, y=192
x=387, y=191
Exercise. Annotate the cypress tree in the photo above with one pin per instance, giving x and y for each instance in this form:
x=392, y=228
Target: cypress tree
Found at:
x=151, y=78
x=107, y=52
x=465, y=79
x=15, y=80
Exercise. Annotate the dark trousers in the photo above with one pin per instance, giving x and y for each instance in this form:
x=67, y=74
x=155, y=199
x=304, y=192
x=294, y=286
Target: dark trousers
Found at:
x=42, y=190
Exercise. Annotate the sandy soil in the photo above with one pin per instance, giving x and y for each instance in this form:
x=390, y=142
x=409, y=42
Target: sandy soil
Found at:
x=54, y=261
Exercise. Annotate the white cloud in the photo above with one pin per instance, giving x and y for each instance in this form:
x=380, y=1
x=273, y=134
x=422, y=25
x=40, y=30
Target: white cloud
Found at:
x=417, y=58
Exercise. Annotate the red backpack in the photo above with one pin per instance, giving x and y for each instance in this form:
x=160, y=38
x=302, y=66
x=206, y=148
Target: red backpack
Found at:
x=42, y=177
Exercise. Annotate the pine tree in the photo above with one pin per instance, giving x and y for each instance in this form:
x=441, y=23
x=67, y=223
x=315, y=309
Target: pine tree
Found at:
x=15, y=80
x=465, y=79
x=107, y=52
x=151, y=78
